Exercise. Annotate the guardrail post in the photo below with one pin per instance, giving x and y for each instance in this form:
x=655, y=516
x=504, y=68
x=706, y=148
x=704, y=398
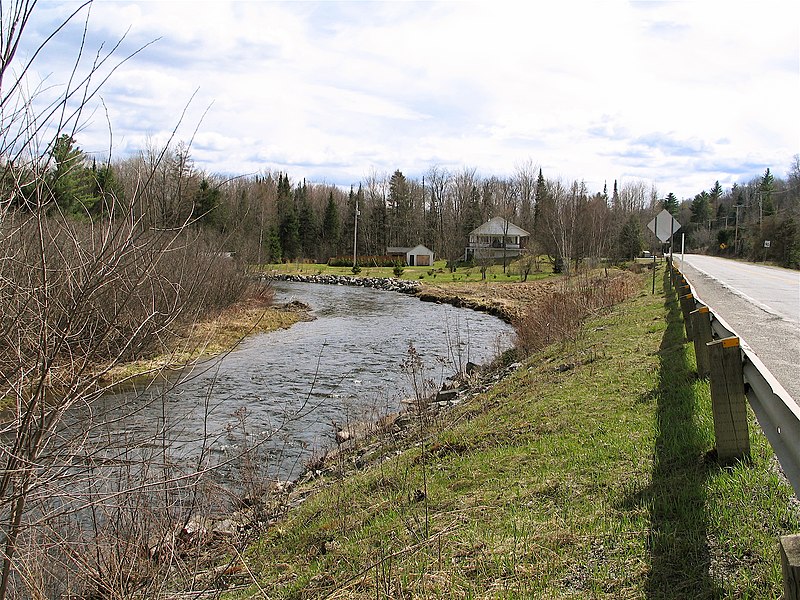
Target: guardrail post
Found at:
x=687, y=306
x=701, y=328
x=790, y=564
x=728, y=399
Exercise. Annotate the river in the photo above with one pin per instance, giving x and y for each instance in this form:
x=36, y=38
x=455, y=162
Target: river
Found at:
x=290, y=389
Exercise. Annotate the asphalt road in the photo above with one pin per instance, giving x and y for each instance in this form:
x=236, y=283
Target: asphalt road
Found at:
x=761, y=304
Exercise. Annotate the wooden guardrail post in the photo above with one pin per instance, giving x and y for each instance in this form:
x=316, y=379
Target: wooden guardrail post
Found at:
x=687, y=306
x=728, y=399
x=701, y=329
x=790, y=564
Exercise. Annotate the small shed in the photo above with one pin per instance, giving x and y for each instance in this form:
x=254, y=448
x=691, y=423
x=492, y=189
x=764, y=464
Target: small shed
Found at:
x=418, y=256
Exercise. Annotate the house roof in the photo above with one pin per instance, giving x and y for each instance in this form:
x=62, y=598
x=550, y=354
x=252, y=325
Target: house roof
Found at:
x=403, y=250
x=420, y=250
x=499, y=226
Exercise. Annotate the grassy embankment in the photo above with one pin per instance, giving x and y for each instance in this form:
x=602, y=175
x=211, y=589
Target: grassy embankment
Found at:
x=215, y=335
x=586, y=473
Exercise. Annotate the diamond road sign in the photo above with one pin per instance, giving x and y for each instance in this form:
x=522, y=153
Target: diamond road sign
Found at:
x=664, y=225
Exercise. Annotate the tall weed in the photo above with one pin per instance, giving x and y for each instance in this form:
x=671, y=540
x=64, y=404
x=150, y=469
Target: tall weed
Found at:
x=559, y=316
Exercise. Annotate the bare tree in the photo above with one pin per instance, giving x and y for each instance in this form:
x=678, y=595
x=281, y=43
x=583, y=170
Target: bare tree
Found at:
x=76, y=298
x=559, y=218
x=524, y=179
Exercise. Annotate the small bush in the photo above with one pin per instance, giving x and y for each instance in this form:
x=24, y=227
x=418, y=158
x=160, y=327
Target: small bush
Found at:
x=356, y=270
x=398, y=270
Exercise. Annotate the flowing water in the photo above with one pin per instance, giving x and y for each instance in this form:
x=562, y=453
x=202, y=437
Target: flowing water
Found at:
x=290, y=389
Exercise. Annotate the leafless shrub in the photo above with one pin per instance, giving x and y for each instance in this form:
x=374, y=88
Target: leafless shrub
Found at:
x=558, y=317
x=88, y=509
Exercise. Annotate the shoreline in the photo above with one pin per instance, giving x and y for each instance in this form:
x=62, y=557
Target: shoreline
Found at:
x=506, y=301
x=215, y=336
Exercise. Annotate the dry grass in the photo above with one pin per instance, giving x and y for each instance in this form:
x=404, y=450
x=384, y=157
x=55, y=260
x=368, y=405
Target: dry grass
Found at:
x=506, y=300
x=559, y=315
x=218, y=334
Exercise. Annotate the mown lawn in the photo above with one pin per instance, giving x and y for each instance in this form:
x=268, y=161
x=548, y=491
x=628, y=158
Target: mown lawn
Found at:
x=588, y=473
x=438, y=273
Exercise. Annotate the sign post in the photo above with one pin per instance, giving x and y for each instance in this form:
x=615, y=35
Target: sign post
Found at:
x=664, y=225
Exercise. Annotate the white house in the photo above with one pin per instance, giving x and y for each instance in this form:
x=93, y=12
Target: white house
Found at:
x=497, y=238
x=418, y=256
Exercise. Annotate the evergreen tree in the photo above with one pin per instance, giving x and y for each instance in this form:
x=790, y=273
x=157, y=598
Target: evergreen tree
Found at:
x=472, y=215
x=716, y=193
x=107, y=189
x=330, y=226
x=399, y=210
x=207, y=205
x=541, y=196
x=307, y=222
x=766, y=188
x=701, y=209
x=273, y=246
x=671, y=204
x=629, y=244
x=72, y=183
x=544, y=217
x=288, y=223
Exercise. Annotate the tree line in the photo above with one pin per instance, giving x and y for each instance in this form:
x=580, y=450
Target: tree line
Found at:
x=268, y=218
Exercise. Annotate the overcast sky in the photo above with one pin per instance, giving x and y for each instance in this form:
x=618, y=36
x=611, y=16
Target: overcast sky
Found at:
x=680, y=94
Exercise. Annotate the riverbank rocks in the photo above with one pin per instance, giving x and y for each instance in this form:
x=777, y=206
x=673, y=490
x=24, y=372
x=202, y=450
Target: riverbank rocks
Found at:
x=387, y=284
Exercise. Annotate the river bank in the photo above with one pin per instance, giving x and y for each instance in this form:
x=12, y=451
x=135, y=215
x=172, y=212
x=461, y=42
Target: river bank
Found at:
x=504, y=300
x=216, y=335
x=583, y=471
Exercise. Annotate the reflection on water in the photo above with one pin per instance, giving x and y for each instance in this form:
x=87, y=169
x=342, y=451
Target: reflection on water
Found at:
x=290, y=387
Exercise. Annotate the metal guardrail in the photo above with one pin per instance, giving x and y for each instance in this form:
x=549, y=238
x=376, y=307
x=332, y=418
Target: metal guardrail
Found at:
x=777, y=412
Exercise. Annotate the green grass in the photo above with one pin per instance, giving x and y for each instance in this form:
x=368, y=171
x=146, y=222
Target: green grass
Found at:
x=593, y=480
x=438, y=273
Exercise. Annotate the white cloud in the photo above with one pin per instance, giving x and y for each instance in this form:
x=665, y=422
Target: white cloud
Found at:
x=589, y=90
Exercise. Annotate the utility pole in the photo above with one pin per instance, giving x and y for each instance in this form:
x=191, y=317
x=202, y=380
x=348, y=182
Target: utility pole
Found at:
x=736, y=233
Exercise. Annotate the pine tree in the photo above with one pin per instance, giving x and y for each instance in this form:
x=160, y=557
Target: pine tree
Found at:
x=330, y=226
x=701, y=209
x=716, y=192
x=273, y=246
x=543, y=216
x=629, y=244
x=541, y=195
x=72, y=182
x=307, y=222
x=107, y=189
x=207, y=205
x=399, y=209
x=670, y=204
x=288, y=223
x=766, y=188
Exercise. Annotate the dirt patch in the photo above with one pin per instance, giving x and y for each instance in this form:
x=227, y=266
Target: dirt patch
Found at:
x=505, y=300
